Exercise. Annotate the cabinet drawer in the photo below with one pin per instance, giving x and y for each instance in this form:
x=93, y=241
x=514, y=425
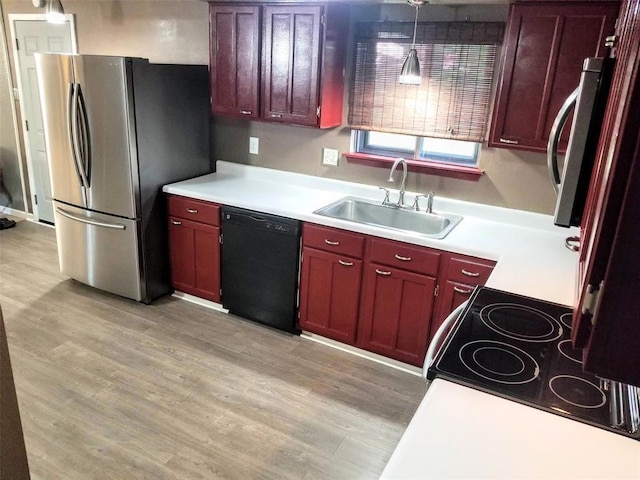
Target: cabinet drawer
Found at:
x=196, y=210
x=407, y=257
x=469, y=271
x=333, y=240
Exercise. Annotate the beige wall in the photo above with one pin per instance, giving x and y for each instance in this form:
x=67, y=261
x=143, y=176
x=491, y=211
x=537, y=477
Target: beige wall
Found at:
x=177, y=31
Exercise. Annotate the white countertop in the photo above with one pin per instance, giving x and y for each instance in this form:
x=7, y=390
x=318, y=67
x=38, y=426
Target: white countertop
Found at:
x=532, y=258
x=458, y=432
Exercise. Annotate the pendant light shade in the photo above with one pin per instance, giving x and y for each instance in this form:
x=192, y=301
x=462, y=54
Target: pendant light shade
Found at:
x=55, y=12
x=410, y=73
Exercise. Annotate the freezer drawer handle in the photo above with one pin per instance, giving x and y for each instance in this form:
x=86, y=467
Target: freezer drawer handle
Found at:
x=192, y=210
x=115, y=226
x=470, y=274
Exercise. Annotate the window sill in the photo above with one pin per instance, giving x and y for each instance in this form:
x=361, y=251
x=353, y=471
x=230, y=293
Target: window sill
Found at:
x=442, y=169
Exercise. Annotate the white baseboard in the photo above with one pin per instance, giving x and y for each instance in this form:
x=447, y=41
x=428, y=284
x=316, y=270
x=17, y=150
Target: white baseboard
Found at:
x=15, y=213
x=389, y=362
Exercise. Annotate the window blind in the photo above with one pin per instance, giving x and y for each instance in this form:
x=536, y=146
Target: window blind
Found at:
x=456, y=64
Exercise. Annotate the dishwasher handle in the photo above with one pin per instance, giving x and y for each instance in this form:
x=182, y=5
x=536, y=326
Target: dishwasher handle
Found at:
x=442, y=330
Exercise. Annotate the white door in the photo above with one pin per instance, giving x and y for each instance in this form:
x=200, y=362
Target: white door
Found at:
x=37, y=35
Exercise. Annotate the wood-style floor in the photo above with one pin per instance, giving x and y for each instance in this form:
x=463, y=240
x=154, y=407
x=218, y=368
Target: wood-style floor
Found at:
x=112, y=389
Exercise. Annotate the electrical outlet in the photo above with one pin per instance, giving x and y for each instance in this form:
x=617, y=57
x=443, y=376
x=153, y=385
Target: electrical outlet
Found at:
x=330, y=156
x=254, y=145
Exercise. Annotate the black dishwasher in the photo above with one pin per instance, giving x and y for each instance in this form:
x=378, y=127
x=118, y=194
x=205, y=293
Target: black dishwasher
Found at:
x=260, y=257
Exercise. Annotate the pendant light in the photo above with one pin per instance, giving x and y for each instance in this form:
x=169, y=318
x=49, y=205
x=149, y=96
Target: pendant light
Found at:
x=54, y=12
x=410, y=73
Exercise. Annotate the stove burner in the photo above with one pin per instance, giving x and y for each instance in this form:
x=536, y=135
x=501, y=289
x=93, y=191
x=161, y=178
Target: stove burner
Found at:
x=566, y=319
x=577, y=391
x=499, y=362
x=567, y=350
x=521, y=322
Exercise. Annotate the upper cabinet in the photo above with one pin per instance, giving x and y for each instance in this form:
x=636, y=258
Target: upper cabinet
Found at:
x=545, y=46
x=279, y=62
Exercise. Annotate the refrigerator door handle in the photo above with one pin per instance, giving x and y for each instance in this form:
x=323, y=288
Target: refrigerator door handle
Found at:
x=71, y=124
x=115, y=226
x=82, y=134
x=76, y=121
x=554, y=138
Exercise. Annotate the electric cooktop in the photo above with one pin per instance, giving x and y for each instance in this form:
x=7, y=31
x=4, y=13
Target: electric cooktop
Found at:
x=520, y=348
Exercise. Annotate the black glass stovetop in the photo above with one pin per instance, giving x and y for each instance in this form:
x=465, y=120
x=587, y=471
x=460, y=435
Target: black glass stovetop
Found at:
x=520, y=348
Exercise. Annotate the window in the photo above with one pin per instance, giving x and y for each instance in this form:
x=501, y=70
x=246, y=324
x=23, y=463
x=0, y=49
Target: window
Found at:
x=423, y=148
x=444, y=118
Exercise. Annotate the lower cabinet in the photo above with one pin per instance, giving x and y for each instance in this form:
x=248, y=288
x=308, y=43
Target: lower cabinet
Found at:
x=329, y=294
x=194, y=247
x=396, y=313
x=459, y=275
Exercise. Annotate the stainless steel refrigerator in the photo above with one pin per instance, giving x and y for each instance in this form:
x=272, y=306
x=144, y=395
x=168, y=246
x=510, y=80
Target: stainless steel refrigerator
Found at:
x=116, y=130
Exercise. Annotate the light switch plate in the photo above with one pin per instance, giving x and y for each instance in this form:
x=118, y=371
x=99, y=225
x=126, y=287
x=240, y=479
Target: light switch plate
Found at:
x=254, y=145
x=330, y=156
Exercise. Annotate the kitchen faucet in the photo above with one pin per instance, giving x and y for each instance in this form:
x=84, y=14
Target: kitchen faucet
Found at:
x=404, y=178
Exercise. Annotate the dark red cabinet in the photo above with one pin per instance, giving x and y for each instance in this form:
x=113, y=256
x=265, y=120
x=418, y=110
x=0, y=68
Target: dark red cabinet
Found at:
x=329, y=294
x=396, y=305
x=235, y=60
x=606, y=316
x=330, y=282
x=194, y=247
x=459, y=275
x=544, y=49
x=279, y=62
x=396, y=313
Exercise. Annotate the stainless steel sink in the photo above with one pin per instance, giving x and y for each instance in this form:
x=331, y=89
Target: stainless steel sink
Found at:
x=360, y=210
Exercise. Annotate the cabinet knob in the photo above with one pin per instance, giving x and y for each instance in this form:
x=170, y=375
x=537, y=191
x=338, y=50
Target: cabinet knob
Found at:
x=470, y=274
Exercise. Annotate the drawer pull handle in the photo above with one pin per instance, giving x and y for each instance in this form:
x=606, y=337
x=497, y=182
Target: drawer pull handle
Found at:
x=245, y=112
x=192, y=210
x=404, y=259
x=470, y=274
x=275, y=115
x=508, y=141
x=329, y=242
x=460, y=290
x=382, y=272
x=346, y=264
x=176, y=222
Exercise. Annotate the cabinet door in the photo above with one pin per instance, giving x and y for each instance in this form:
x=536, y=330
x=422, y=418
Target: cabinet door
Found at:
x=195, y=258
x=396, y=309
x=329, y=294
x=234, y=61
x=451, y=294
x=545, y=47
x=290, y=76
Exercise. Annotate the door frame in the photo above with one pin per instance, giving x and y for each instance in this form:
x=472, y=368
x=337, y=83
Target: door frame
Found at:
x=13, y=17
